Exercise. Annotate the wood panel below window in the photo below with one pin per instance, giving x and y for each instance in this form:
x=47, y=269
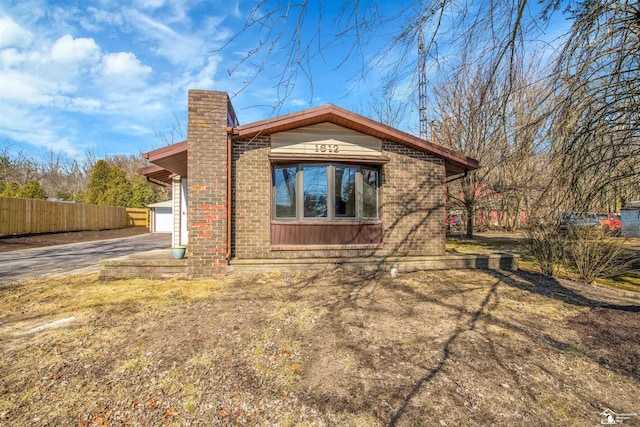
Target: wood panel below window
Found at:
x=329, y=233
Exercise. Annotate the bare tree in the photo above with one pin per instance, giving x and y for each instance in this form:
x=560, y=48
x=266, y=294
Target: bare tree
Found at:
x=597, y=118
x=469, y=107
x=595, y=145
x=287, y=38
x=54, y=178
x=177, y=132
x=523, y=173
x=18, y=167
x=387, y=104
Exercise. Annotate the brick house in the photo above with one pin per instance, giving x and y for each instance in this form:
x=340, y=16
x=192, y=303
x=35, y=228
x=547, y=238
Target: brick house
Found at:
x=318, y=183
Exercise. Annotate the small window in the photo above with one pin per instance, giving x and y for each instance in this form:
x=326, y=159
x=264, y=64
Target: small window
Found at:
x=345, y=191
x=285, y=191
x=315, y=191
x=329, y=192
x=369, y=193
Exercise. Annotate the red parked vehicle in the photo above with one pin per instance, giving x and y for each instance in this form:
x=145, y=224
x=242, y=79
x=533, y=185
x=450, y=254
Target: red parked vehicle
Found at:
x=609, y=221
x=453, y=222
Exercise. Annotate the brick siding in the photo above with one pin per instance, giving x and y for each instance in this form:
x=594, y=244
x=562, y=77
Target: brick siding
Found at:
x=251, y=205
x=412, y=202
x=207, y=184
x=411, y=196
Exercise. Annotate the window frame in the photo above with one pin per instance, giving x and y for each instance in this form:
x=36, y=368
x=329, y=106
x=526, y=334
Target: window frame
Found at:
x=274, y=191
x=331, y=201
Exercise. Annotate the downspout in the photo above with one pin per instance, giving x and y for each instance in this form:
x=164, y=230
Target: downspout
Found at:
x=446, y=211
x=229, y=143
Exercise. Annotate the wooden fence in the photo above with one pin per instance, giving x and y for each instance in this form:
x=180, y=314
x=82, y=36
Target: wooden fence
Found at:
x=23, y=216
x=138, y=217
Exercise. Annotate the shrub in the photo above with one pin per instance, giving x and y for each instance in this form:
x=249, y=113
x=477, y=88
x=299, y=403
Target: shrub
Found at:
x=545, y=245
x=32, y=190
x=594, y=254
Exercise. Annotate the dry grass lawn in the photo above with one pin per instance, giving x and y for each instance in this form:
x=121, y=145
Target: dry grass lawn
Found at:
x=449, y=348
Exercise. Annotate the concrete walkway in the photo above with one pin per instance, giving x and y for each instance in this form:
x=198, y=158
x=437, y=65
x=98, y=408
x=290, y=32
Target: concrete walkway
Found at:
x=75, y=258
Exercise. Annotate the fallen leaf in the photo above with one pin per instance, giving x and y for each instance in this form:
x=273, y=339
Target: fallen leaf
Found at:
x=170, y=412
x=223, y=414
x=101, y=422
x=152, y=404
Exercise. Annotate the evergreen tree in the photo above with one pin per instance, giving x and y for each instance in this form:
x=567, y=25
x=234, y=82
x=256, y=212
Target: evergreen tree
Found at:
x=108, y=186
x=143, y=194
x=11, y=190
x=119, y=191
x=32, y=190
x=79, y=197
x=98, y=182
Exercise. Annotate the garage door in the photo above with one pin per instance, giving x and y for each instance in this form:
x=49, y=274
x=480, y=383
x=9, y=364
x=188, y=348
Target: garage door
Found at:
x=164, y=220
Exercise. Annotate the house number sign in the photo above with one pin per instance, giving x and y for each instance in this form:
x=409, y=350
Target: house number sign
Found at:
x=327, y=148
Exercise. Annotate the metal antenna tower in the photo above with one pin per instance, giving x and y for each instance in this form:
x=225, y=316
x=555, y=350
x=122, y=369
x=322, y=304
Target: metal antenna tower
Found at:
x=422, y=83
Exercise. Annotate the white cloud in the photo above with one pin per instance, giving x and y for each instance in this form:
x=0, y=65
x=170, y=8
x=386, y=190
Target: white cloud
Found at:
x=97, y=19
x=35, y=128
x=11, y=57
x=69, y=50
x=171, y=11
x=12, y=34
x=124, y=65
x=40, y=77
x=178, y=49
x=101, y=70
x=150, y=4
x=26, y=89
x=236, y=10
x=298, y=102
x=203, y=79
x=85, y=104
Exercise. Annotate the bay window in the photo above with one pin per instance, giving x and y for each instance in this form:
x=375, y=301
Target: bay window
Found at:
x=333, y=191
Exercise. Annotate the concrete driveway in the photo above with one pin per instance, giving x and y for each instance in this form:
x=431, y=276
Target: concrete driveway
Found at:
x=74, y=258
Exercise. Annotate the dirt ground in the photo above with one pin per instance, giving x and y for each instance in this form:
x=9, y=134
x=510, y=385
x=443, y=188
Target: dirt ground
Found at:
x=331, y=348
x=27, y=241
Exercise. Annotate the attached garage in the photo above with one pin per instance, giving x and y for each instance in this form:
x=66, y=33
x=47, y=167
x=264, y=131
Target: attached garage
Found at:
x=161, y=217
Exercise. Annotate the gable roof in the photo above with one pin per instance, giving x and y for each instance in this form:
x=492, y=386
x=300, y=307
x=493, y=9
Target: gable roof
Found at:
x=455, y=162
x=172, y=159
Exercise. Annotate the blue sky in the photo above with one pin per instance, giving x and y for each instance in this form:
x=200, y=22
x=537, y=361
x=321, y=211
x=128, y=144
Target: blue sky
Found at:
x=108, y=76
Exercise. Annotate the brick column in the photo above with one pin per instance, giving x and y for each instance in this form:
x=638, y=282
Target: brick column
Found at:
x=207, y=183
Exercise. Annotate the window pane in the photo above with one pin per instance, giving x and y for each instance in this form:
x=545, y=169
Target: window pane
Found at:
x=345, y=191
x=369, y=193
x=315, y=191
x=285, y=182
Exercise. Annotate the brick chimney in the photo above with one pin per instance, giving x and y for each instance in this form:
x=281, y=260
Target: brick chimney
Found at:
x=207, y=184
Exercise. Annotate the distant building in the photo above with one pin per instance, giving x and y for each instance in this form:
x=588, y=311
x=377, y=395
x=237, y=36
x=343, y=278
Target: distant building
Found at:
x=161, y=217
x=630, y=218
